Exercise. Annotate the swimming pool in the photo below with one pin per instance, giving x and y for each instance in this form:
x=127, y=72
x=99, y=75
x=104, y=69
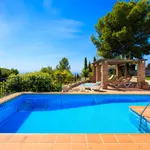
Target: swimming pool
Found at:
x=69, y=113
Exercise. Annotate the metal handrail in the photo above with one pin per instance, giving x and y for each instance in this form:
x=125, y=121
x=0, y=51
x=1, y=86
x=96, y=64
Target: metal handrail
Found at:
x=144, y=109
x=141, y=115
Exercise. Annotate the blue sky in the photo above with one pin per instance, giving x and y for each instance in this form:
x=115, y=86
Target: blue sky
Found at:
x=38, y=33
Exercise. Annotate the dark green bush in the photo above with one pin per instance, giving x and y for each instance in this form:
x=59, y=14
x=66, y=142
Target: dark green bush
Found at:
x=34, y=82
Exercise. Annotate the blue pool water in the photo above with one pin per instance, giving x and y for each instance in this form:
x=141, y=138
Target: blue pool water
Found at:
x=62, y=113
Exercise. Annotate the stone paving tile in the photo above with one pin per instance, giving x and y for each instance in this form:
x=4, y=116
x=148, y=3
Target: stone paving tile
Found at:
x=78, y=138
x=11, y=146
x=5, y=137
x=63, y=138
x=94, y=138
x=133, y=146
x=109, y=138
x=33, y=138
x=113, y=147
x=28, y=146
x=96, y=146
x=62, y=146
x=48, y=138
x=137, y=138
x=79, y=147
x=17, y=138
x=147, y=136
x=75, y=142
x=44, y=146
x=124, y=138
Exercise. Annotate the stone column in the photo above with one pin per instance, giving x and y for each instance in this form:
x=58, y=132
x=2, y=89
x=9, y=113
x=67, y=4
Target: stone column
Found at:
x=140, y=73
x=98, y=73
x=94, y=73
x=118, y=71
x=104, y=75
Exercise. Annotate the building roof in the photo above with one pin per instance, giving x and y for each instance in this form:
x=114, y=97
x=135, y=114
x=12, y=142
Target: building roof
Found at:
x=118, y=61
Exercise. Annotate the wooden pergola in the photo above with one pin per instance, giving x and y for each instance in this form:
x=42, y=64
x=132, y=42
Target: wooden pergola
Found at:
x=100, y=70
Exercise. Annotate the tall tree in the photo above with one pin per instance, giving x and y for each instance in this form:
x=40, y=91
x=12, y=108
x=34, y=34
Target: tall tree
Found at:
x=125, y=31
x=85, y=70
x=63, y=64
x=78, y=77
x=85, y=63
x=75, y=77
x=94, y=58
x=90, y=67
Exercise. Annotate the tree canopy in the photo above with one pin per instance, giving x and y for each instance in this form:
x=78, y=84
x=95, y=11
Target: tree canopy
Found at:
x=125, y=31
x=48, y=70
x=63, y=64
x=4, y=72
x=85, y=63
x=94, y=58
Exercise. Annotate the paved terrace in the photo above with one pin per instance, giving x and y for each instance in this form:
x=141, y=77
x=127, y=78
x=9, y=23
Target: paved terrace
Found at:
x=139, y=109
x=75, y=142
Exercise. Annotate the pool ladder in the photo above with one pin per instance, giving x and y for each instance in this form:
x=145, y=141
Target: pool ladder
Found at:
x=141, y=125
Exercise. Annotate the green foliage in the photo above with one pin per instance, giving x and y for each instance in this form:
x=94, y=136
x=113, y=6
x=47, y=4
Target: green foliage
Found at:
x=63, y=65
x=85, y=63
x=75, y=77
x=112, y=71
x=86, y=69
x=125, y=31
x=94, y=59
x=85, y=73
x=35, y=82
x=78, y=77
x=48, y=70
x=64, y=76
x=90, y=67
x=4, y=72
x=14, y=71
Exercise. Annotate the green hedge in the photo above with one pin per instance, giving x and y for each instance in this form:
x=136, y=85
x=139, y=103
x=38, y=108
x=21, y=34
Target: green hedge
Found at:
x=34, y=82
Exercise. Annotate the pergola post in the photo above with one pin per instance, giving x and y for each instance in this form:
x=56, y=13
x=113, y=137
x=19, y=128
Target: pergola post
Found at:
x=98, y=73
x=118, y=71
x=104, y=75
x=94, y=73
x=125, y=71
x=140, y=73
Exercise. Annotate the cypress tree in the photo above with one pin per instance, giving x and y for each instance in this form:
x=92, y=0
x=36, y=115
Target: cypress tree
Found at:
x=90, y=68
x=94, y=59
x=85, y=63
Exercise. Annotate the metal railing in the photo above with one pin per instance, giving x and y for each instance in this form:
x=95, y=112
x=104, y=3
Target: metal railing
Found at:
x=141, y=115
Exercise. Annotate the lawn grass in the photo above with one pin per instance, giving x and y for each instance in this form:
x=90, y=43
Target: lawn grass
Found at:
x=147, y=78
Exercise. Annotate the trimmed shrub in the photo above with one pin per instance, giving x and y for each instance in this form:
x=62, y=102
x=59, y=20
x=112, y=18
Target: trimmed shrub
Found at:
x=34, y=82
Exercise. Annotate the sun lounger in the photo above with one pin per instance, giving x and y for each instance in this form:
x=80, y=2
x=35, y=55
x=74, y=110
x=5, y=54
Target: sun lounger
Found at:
x=125, y=82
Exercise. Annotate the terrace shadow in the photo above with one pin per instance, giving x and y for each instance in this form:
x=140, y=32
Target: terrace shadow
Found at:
x=13, y=123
